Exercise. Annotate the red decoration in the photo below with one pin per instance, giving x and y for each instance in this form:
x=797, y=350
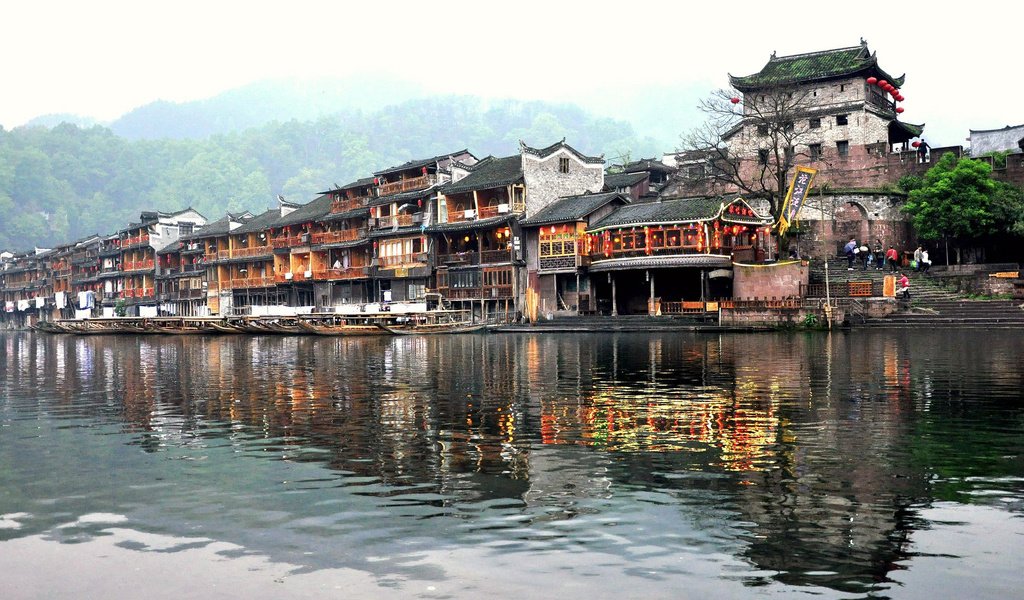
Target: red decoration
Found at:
x=424, y=170
x=734, y=100
x=872, y=80
x=376, y=180
x=916, y=144
x=899, y=109
x=882, y=83
x=899, y=97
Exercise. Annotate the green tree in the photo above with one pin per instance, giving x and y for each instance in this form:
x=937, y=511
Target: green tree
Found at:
x=955, y=202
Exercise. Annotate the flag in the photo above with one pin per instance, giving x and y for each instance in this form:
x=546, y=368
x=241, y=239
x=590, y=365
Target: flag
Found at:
x=798, y=189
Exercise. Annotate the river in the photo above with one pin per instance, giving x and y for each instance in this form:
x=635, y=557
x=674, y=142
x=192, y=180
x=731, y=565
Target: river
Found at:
x=882, y=464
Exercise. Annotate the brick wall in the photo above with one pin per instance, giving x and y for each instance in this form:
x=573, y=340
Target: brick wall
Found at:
x=767, y=281
x=545, y=183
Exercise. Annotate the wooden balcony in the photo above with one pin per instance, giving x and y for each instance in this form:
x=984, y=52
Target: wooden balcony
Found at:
x=290, y=277
x=459, y=258
x=252, y=252
x=385, y=262
x=407, y=185
x=495, y=256
x=190, y=294
x=340, y=274
x=347, y=204
x=286, y=242
x=138, y=265
x=400, y=220
x=335, y=237
x=247, y=283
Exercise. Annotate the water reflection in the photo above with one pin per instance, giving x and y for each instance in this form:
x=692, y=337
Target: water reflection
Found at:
x=803, y=461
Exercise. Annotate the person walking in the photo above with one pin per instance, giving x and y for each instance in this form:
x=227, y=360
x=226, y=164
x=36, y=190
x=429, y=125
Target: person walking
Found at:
x=879, y=254
x=893, y=258
x=926, y=263
x=851, y=252
x=917, y=258
x=904, y=287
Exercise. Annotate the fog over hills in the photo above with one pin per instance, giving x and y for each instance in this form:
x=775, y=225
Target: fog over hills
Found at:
x=64, y=177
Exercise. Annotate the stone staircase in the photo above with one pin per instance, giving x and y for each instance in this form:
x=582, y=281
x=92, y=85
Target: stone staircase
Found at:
x=930, y=304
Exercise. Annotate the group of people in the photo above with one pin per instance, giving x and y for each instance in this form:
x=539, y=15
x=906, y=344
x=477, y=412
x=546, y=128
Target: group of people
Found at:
x=879, y=258
x=876, y=257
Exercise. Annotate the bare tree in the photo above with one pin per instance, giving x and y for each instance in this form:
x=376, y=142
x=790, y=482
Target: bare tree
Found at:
x=750, y=146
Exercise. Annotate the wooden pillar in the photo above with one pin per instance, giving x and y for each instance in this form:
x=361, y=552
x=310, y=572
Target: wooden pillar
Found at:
x=615, y=305
x=650, y=305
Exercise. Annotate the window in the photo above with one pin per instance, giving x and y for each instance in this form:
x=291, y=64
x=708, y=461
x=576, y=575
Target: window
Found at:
x=563, y=165
x=762, y=156
x=842, y=119
x=762, y=129
x=843, y=147
x=842, y=87
x=815, y=151
x=814, y=123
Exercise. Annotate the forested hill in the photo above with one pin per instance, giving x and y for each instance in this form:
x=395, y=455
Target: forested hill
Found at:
x=63, y=183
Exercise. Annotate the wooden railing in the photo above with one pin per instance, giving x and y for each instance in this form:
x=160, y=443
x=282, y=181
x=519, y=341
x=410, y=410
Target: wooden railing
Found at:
x=286, y=242
x=347, y=204
x=466, y=258
x=248, y=282
x=334, y=237
x=284, y=277
x=340, y=274
x=389, y=221
x=402, y=259
x=252, y=252
x=843, y=289
x=495, y=256
x=138, y=265
x=406, y=185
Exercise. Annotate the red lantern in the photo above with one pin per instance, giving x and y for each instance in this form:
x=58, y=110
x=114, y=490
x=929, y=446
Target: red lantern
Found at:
x=424, y=170
x=882, y=83
x=419, y=203
x=376, y=180
x=899, y=109
x=734, y=100
x=872, y=80
x=916, y=144
x=899, y=97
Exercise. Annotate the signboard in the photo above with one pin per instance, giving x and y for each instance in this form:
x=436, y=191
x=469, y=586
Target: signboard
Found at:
x=795, y=197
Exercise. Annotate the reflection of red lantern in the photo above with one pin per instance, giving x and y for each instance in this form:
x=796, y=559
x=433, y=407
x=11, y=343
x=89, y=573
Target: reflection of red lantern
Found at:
x=872, y=80
x=899, y=109
x=734, y=100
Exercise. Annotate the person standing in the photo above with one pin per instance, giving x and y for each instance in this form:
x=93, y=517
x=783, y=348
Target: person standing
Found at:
x=879, y=254
x=926, y=263
x=893, y=258
x=865, y=257
x=851, y=251
x=917, y=258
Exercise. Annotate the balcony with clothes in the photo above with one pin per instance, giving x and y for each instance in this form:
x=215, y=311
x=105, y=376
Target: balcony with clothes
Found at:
x=338, y=265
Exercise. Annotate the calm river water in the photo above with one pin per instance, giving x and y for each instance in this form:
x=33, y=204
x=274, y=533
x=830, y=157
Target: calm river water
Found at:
x=844, y=465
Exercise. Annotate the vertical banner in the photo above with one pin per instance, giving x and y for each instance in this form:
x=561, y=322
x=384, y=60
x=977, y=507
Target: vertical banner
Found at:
x=798, y=189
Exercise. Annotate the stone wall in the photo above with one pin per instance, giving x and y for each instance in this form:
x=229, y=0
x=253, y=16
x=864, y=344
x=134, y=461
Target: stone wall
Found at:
x=545, y=183
x=779, y=317
x=780, y=280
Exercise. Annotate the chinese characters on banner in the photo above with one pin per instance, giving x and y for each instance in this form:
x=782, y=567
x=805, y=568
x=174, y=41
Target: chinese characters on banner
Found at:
x=794, y=201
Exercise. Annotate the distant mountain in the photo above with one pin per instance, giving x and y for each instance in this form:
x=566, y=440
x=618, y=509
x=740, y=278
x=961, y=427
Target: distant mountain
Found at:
x=52, y=120
x=260, y=103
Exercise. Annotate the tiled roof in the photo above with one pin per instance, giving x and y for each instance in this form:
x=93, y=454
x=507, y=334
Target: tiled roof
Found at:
x=572, y=208
x=401, y=197
x=423, y=162
x=261, y=222
x=615, y=181
x=214, y=228
x=647, y=164
x=677, y=210
x=815, y=66
x=468, y=225
x=362, y=211
x=360, y=183
x=306, y=213
x=548, y=151
x=488, y=173
x=911, y=129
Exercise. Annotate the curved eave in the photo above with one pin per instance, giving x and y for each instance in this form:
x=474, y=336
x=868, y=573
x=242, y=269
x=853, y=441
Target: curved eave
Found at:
x=661, y=262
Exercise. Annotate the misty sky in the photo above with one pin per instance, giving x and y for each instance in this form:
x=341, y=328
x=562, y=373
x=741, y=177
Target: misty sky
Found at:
x=102, y=58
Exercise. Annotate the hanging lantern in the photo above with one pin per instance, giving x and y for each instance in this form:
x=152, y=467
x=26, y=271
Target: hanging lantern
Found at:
x=716, y=225
x=734, y=100
x=899, y=109
x=872, y=80
x=899, y=97
x=376, y=181
x=916, y=144
x=419, y=203
x=424, y=170
x=466, y=238
x=882, y=83
x=552, y=229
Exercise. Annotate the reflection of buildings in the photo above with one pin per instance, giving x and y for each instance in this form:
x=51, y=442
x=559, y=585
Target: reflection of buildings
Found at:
x=808, y=445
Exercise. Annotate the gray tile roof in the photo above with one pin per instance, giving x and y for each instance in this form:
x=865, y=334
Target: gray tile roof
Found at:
x=573, y=208
x=423, y=162
x=677, y=210
x=488, y=173
x=314, y=211
x=815, y=66
x=614, y=181
x=261, y=222
x=468, y=225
